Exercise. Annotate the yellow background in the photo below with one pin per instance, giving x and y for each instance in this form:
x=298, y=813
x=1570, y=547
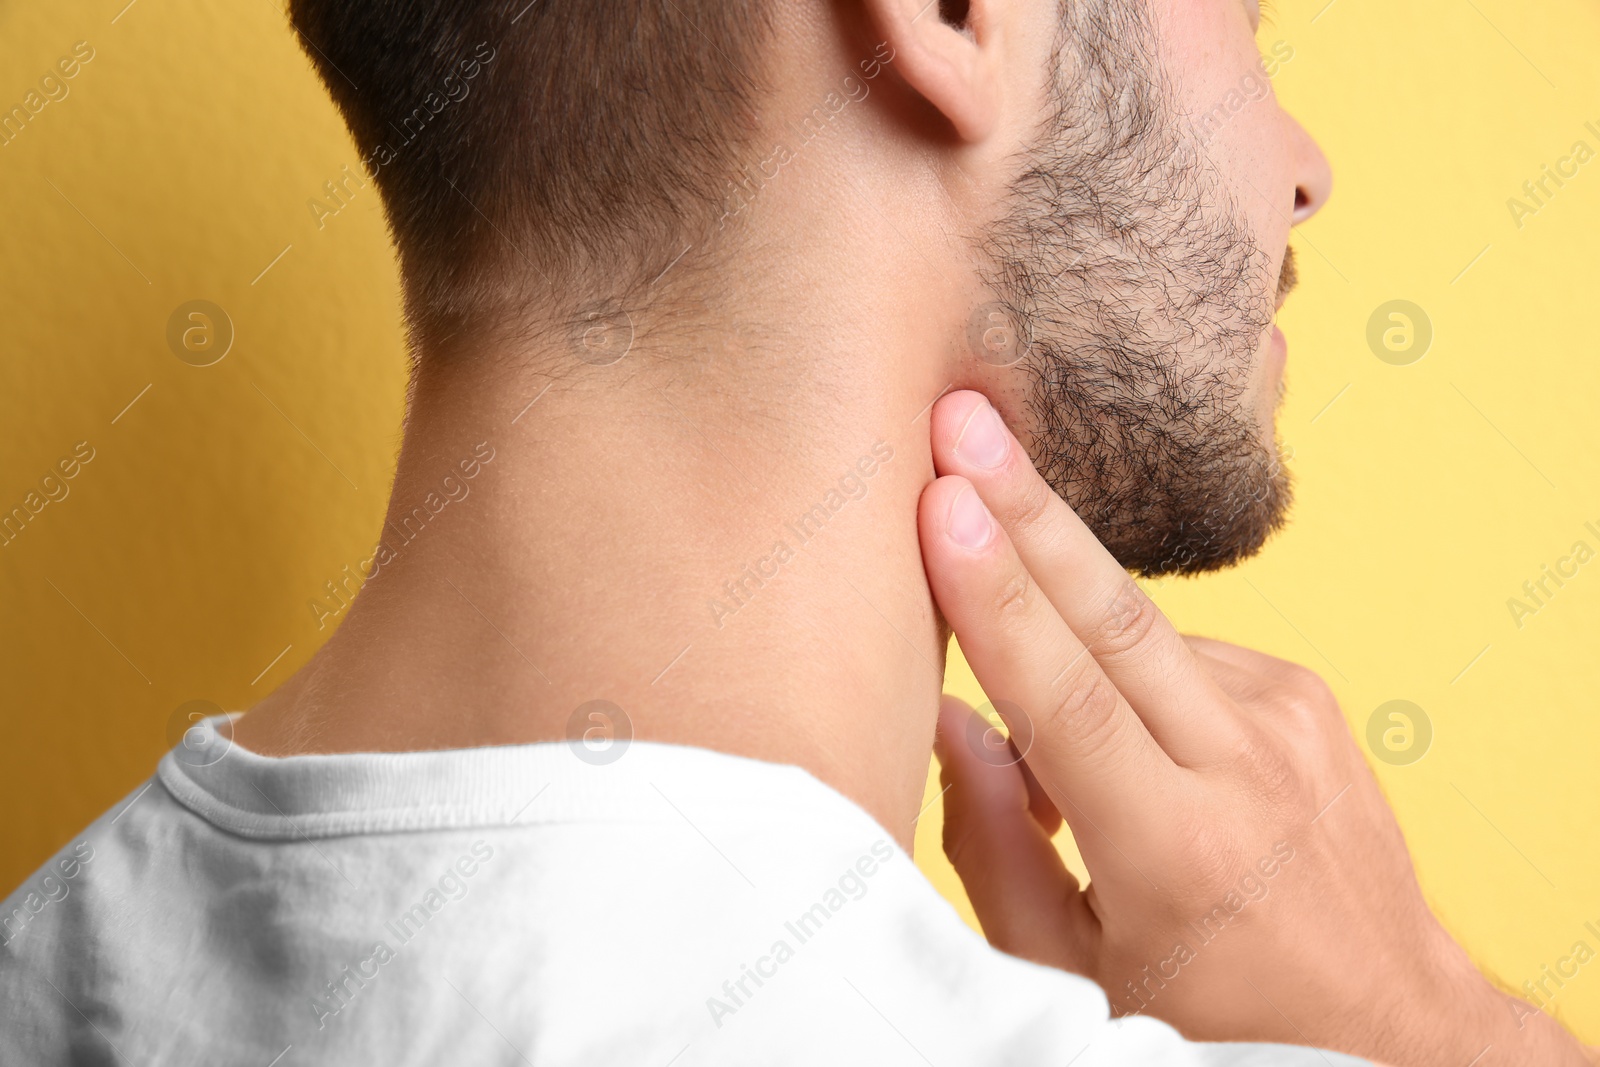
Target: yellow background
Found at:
x=180, y=165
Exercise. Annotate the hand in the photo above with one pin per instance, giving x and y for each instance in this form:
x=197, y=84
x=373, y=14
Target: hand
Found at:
x=1248, y=880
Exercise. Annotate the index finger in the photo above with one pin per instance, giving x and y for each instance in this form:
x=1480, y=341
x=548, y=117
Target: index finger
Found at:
x=1134, y=643
x=1090, y=751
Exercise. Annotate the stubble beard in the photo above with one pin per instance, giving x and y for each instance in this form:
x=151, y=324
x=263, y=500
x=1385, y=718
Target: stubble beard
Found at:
x=1141, y=299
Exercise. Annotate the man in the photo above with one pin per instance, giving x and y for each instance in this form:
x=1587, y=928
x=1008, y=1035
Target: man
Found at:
x=618, y=755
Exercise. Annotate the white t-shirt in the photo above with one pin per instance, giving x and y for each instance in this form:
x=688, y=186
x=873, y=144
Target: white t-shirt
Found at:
x=674, y=907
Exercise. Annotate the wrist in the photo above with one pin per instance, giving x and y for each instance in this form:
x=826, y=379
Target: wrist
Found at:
x=1530, y=1035
x=1526, y=1035
x=1462, y=1018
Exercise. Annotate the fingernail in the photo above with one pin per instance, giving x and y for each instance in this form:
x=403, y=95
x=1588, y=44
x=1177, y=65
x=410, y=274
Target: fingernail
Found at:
x=983, y=439
x=969, y=524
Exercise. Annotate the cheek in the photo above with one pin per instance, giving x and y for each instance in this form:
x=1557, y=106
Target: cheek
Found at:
x=1257, y=165
x=1011, y=402
x=1211, y=53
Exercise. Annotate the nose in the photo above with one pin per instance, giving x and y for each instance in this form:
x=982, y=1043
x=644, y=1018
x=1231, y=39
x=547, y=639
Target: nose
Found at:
x=1313, y=174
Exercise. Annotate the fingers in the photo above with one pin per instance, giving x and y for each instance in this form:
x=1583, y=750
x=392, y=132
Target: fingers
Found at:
x=1026, y=899
x=1073, y=725
x=1245, y=659
x=1040, y=806
x=1139, y=650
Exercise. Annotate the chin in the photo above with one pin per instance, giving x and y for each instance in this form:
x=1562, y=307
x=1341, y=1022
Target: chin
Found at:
x=1205, y=524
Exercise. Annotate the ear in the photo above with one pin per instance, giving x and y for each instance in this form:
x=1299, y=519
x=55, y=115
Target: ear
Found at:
x=941, y=51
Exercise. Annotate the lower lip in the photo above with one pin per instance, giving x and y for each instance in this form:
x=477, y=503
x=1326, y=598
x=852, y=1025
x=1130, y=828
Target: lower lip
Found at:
x=1280, y=348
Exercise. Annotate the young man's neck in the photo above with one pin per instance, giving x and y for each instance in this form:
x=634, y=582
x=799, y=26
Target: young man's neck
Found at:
x=716, y=534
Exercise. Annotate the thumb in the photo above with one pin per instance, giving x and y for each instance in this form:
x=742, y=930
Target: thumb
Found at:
x=1027, y=901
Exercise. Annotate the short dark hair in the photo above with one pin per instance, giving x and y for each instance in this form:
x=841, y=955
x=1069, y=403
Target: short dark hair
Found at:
x=516, y=142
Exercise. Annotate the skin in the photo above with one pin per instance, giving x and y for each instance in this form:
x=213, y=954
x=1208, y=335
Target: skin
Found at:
x=623, y=499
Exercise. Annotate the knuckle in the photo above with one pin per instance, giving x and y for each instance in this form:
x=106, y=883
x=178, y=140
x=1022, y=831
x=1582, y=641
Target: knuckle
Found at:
x=1128, y=620
x=1275, y=774
x=1082, y=707
x=1031, y=512
x=1014, y=598
x=1304, y=680
x=1279, y=780
x=1304, y=695
x=1209, y=646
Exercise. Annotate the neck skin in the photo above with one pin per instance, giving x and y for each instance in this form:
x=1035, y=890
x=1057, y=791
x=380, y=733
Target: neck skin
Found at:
x=626, y=542
x=638, y=535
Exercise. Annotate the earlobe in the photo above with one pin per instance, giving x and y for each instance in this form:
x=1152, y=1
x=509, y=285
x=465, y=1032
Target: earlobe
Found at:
x=950, y=66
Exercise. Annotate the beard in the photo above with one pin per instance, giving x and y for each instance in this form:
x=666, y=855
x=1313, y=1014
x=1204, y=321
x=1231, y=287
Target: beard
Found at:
x=1140, y=299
